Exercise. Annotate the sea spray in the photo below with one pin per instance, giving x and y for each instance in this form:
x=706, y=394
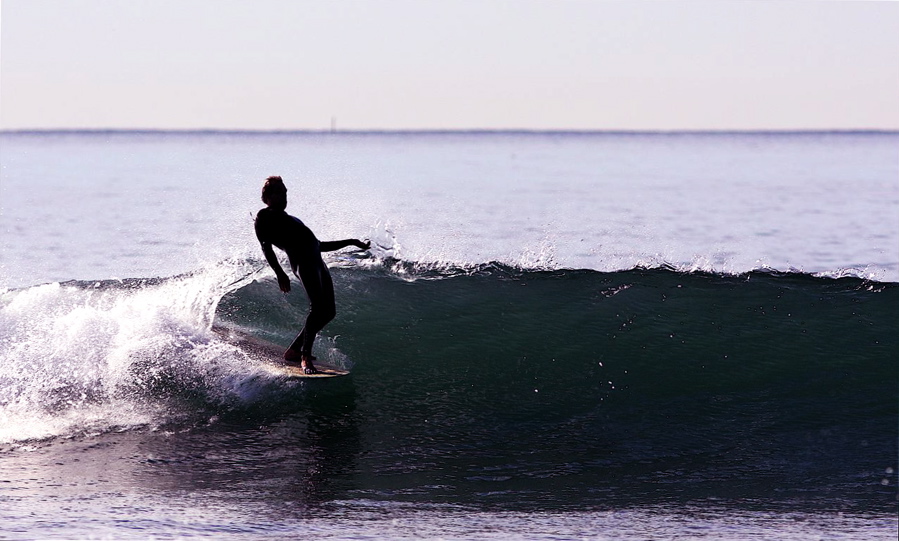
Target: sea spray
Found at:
x=80, y=357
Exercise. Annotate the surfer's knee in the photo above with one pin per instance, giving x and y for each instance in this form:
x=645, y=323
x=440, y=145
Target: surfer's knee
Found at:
x=323, y=311
x=328, y=312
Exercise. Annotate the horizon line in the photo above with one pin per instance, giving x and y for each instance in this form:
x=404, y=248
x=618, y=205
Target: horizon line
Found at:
x=438, y=131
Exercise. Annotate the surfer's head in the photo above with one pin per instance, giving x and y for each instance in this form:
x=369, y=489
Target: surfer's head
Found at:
x=274, y=193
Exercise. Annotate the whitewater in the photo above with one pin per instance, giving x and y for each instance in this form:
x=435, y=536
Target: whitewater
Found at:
x=554, y=335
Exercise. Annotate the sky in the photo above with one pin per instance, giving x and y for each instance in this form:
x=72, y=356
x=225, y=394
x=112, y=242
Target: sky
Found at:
x=449, y=64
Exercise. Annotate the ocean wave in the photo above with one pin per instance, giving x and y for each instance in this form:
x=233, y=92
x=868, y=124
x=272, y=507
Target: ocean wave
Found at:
x=84, y=357
x=527, y=372
x=513, y=379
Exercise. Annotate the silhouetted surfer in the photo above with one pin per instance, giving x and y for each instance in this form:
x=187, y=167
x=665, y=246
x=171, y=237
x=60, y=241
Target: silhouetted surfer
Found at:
x=274, y=227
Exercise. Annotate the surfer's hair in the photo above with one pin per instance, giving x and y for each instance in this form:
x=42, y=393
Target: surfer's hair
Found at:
x=271, y=183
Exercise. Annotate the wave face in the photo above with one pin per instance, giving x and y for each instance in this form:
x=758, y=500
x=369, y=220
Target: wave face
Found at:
x=577, y=382
x=493, y=383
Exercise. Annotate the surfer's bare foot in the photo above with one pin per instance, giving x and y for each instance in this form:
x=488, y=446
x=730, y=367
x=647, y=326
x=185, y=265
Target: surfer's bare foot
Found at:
x=293, y=356
x=306, y=363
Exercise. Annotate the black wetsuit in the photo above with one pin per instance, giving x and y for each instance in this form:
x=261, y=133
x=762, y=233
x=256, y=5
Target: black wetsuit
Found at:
x=277, y=228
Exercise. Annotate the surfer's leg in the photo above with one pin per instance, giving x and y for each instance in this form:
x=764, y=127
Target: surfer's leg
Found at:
x=293, y=351
x=322, y=311
x=320, y=290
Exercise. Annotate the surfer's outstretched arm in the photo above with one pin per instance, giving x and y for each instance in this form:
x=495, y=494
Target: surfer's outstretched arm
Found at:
x=331, y=245
x=283, y=279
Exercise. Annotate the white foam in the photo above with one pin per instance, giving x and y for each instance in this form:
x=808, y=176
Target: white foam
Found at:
x=82, y=358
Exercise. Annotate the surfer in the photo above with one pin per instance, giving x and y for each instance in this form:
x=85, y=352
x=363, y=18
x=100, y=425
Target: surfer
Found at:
x=274, y=227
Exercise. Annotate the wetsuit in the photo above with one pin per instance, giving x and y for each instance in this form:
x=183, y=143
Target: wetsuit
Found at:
x=277, y=228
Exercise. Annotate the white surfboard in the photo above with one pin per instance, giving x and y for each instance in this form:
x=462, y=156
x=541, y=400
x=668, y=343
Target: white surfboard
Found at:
x=272, y=355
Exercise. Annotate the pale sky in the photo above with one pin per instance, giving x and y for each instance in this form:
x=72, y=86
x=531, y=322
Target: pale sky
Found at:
x=449, y=64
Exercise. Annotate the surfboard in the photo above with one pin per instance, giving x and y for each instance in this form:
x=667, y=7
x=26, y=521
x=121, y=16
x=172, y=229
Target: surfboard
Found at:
x=271, y=355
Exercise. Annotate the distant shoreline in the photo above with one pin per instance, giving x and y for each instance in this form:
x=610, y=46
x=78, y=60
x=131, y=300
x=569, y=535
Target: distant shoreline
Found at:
x=329, y=132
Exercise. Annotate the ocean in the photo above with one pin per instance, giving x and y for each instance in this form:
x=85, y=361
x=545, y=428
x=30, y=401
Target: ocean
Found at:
x=555, y=335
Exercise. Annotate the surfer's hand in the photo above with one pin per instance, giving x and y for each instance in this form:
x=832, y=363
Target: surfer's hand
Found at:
x=284, y=283
x=362, y=245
